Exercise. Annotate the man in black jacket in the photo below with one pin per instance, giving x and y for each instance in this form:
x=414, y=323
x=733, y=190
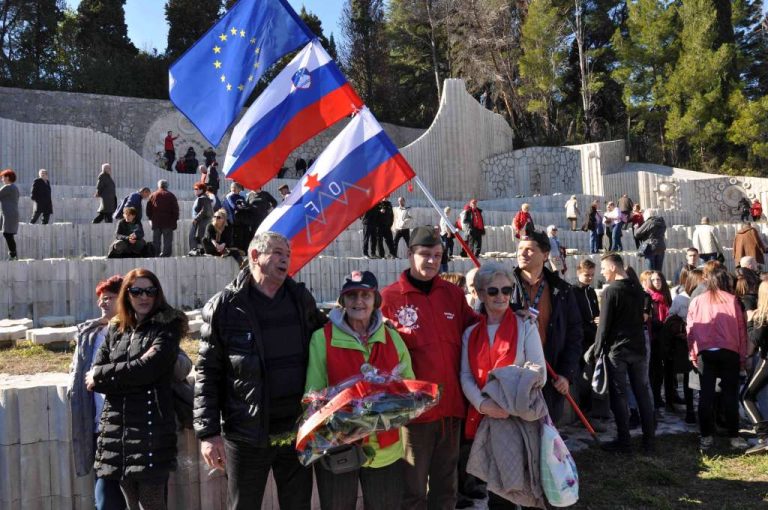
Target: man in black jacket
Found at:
x=552, y=301
x=250, y=377
x=385, y=218
x=621, y=339
x=41, y=197
x=586, y=298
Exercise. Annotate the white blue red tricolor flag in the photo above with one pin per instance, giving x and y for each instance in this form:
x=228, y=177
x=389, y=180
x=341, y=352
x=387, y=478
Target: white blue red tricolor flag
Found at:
x=359, y=167
x=307, y=97
x=213, y=79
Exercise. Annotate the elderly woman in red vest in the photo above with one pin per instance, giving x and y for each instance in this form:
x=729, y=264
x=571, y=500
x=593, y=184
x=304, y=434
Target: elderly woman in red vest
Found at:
x=356, y=335
x=499, y=339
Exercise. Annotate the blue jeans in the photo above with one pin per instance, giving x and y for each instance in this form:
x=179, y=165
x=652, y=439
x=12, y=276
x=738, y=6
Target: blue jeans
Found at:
x=108, y=495
x=655, y=262
x=616, y=237
x=594, y=240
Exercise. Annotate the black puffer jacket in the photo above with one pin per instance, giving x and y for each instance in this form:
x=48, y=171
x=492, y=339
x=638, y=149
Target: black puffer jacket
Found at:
x=231, y=386
x=138, y=424
x=652, y=231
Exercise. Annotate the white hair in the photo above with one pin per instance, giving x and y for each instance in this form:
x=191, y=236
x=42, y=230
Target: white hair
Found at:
x=550, y=229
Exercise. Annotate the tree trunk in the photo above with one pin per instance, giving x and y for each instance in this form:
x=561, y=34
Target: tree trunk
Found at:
x=433, y=48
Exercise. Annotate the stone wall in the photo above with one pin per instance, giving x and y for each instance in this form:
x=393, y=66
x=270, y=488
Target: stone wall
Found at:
x=532, y=171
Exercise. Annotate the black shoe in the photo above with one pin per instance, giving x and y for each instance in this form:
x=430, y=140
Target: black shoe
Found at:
x=634, y=419
x=616, y=446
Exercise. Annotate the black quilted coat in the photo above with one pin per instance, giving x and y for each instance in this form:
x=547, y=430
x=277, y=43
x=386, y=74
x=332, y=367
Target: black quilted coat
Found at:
x=138, y=424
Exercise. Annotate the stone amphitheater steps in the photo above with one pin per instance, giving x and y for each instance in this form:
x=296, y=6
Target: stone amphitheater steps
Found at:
x=60, y=287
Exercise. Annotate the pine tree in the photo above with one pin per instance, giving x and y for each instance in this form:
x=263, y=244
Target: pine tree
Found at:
x=751, y=38
x=646, y=45
x=542, y=65
x=365, y=53
x=699, y=88
x=106, y=52
x=188, y=20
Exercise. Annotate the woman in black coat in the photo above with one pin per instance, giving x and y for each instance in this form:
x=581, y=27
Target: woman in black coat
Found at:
x=218, y=238
x=650, y=235
x=134, y=369
x=42, y=204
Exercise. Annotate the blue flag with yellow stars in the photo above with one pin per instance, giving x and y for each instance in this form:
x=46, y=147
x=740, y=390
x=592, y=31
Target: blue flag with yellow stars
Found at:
x=212, y=80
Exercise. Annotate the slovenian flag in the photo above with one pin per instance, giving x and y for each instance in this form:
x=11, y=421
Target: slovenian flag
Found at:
x=308, y=96
x=357, y=169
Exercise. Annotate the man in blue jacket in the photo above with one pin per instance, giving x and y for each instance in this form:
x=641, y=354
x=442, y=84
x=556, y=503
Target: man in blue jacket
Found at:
x=133, y=200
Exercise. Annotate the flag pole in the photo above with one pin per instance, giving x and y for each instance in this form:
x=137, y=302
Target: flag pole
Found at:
x=450, y=224
x=455, y=232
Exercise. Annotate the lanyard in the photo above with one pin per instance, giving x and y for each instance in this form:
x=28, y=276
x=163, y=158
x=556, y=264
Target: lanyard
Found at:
x=538, y=295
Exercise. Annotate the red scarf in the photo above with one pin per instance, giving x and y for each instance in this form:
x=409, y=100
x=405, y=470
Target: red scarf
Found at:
x=659, y=304
x=483, y=358
x=342, y=364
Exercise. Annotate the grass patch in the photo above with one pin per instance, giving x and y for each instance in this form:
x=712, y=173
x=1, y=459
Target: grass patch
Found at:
x=677, y=476
x=28, y=358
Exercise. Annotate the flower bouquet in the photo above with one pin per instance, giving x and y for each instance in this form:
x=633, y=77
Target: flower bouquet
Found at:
x=372, y=402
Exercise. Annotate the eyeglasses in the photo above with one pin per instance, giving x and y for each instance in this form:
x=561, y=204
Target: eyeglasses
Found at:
x=493, y=291
x=219, y=217
x=138, y=291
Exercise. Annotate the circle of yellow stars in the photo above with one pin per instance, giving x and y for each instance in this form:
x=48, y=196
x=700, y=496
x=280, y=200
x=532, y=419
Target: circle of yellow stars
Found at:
x=234, y=32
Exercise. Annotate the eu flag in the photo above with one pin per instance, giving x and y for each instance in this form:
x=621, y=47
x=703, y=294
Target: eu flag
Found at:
x=212, y=80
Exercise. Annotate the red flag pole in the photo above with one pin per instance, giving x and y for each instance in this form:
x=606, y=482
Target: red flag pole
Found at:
x=463, y=244
x=450, y=224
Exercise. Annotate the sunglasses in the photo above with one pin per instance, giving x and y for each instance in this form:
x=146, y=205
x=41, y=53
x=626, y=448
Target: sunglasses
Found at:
x=138, y=291
x=219, y=217
x=493, y=291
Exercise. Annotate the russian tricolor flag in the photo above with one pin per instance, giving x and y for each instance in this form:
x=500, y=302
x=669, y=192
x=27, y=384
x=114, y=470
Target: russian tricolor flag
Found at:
x=359, y=167
x=308, y=96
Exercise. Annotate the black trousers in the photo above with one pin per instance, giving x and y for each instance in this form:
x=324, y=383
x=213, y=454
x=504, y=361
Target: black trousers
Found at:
x=369, y=233
x=248, y=467
x=632, y=366
x=382, y=487
x=170, y=157
x=385, y=234
x=36, y=215
x=102, y=216
x=402, y=233
x=725, y=365
x=10, y=240
x=475, y=242
x=749, y=397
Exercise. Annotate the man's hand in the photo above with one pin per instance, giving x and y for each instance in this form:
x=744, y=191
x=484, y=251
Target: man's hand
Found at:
x=492, y=409
x=597, y=320
x=561, y=384
x=213, y=452
x=89, y=382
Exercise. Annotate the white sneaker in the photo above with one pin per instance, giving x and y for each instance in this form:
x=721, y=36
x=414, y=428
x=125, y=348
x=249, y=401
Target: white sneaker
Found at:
x=706, y=442
x=738, y=443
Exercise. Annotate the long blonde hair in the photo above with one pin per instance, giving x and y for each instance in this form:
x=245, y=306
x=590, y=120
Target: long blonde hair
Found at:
x=761, y=314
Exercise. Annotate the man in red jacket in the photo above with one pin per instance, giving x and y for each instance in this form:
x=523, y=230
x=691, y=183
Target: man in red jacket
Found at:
x=170, y=150
x=163, y=213
x=431, y=315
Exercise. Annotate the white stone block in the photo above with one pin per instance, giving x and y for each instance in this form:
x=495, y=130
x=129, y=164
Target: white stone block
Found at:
x=11, y=333
x=4, y=323
x=57, y=321
x=44, y=336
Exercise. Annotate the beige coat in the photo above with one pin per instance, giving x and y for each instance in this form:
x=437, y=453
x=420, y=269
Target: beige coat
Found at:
x=506, y=453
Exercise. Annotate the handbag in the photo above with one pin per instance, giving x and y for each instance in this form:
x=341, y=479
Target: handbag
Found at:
x=559, y=477
x=600, y=376
x=343, y=459
x=646, y=248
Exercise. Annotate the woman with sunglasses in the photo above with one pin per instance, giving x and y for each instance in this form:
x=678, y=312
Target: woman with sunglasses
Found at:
x=134, y=369
x=218, y=238
x=499, y=339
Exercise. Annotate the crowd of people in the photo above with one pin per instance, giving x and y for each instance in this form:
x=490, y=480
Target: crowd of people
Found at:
x=265, y=344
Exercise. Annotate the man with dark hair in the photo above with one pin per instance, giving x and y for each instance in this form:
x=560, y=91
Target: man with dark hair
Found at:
x=625, y=206
x=431, y=315
x=621, y=339
x=163, y=213
x=133, y=200
x=250, y=377
x=552, y=301
x=691, y=263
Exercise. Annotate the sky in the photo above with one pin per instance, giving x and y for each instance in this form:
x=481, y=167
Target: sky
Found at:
x=148, y=29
